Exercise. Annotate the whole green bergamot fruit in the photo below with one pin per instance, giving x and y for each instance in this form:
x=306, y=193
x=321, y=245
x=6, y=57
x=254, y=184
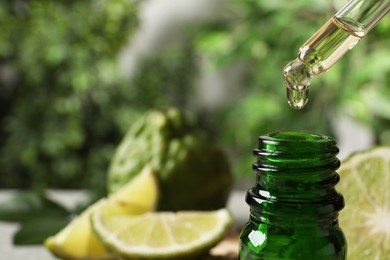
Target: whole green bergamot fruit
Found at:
x=193, y=173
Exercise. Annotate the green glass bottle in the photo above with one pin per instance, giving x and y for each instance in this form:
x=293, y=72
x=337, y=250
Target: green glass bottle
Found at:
x=294, y=205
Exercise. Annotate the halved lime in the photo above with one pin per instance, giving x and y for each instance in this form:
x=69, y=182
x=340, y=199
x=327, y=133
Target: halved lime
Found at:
x=77, y=241
x=365, y=184
x=162, y=235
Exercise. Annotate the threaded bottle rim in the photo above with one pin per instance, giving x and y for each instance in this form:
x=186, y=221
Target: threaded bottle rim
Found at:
x=289, y=151
x=296, y=167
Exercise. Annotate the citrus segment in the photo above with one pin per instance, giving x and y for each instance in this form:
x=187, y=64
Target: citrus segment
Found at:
x=158, y=235
x=365, y=184
x=77, y=241
x=140, y=194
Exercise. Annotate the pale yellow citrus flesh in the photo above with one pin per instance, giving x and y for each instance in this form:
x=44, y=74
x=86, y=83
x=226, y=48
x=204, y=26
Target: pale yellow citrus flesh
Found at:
x=365, y=220
x=78, y=241
x=162, y=235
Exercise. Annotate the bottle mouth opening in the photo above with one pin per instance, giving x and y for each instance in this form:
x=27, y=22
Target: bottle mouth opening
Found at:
x=296, y=145
x=298, y=137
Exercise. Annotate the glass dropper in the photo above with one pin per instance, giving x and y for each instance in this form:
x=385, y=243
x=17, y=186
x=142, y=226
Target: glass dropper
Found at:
x=329, y=44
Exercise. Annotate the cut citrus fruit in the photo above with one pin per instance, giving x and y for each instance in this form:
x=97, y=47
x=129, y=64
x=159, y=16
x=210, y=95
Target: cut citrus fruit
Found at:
x=138, y=196
x=77, y=241
x=365, y=220
x=159, y=235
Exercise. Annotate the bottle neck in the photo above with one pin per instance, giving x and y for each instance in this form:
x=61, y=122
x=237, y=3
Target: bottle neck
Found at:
x=296, y=178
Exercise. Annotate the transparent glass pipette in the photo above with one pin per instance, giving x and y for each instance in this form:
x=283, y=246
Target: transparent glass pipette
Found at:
x=329, y=44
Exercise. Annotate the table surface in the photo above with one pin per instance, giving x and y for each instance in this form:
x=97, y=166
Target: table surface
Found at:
x=69, y=199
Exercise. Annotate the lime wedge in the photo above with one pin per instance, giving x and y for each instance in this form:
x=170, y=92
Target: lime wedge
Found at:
x=77, y=241
x=138, y=196
x=180, y=235
x=365, y=220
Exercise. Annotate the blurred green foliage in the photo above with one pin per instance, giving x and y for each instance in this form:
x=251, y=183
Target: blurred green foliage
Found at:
x=64, y=106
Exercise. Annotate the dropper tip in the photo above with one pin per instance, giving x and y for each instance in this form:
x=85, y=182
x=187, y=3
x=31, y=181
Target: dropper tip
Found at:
x=297, y=78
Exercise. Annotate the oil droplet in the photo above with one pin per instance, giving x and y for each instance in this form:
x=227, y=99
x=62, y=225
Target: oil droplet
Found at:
x=297, y=98
x=297, y=77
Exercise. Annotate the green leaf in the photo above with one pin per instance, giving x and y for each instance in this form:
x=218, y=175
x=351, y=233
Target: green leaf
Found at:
x=27, y=205
x=35, y=231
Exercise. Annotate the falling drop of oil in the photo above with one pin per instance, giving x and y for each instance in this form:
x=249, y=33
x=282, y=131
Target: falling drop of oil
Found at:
x=297, y=98
x=297, y=78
